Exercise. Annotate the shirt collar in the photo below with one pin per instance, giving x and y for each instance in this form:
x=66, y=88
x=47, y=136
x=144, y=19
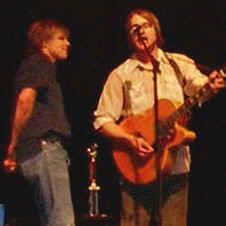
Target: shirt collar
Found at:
x=161, y=59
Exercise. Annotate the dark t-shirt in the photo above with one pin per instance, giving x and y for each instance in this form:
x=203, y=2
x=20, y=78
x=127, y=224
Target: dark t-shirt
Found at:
x=48, y=113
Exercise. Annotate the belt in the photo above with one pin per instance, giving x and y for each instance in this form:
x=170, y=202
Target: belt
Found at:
x=52, y=136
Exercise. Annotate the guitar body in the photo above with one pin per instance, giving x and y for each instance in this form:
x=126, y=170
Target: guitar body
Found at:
x=142, y=170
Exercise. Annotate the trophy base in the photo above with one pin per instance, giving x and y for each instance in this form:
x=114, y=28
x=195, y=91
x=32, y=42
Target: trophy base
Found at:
x=96, y=216
x=96, y=220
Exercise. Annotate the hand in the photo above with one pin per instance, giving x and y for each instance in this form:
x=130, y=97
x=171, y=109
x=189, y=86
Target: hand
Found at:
x=216, y=81
x=9, y=164
x=142, y=147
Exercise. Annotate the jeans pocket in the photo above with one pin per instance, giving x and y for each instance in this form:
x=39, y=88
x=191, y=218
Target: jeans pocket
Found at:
x=55, y=150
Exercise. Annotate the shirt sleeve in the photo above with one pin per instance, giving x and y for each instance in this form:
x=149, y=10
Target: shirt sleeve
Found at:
x=32, y=75
x=194, y=79
x=110, y=105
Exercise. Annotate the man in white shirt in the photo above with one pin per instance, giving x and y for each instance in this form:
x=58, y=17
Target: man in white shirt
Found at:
x=129, y=91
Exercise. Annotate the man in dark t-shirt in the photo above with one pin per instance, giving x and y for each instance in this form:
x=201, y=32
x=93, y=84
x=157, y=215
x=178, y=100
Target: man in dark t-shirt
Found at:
x=39, y=126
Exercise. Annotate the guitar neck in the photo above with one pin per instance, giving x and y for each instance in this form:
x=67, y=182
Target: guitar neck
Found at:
x=203, y=94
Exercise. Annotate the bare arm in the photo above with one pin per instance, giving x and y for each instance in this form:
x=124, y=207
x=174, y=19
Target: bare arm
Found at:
x=23, y=110
x=116, y=133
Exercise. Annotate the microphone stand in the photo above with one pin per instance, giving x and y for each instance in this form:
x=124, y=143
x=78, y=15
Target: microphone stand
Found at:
x=157, y=221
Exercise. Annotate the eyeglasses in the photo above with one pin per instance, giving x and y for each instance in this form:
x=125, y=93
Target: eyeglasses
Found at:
x=134, y=29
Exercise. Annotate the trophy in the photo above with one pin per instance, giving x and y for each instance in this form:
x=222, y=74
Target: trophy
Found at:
x=93, y=188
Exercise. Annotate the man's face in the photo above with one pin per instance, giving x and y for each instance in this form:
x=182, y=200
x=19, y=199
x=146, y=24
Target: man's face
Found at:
x=142, y=31
x=57, y=46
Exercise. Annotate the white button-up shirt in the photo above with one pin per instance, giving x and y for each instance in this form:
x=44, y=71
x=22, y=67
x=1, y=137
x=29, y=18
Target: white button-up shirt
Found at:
x=129, y=89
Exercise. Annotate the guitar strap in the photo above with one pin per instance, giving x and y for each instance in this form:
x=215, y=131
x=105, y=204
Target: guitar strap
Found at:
x=177, y=70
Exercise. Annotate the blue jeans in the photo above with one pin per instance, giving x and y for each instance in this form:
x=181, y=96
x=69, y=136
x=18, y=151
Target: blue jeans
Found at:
x=48, y=174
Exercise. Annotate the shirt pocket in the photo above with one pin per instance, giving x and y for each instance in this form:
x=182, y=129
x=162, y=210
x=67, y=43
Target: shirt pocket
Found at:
x=138, y=98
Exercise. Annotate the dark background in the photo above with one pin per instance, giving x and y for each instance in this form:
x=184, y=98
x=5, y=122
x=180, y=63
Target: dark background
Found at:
x=196, y=28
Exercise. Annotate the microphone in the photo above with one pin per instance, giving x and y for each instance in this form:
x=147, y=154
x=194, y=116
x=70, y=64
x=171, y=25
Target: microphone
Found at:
x=137, y=30
x=139, y=35
x=142, y=40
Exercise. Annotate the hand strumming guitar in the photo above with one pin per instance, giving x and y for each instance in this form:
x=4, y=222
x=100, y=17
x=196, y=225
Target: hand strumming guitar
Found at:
x=141, y=146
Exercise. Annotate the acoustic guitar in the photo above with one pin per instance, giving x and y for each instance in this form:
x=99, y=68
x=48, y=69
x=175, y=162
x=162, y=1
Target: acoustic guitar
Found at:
x=171, y=117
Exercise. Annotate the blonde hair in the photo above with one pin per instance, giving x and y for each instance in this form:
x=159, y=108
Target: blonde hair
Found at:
x=42, y=30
